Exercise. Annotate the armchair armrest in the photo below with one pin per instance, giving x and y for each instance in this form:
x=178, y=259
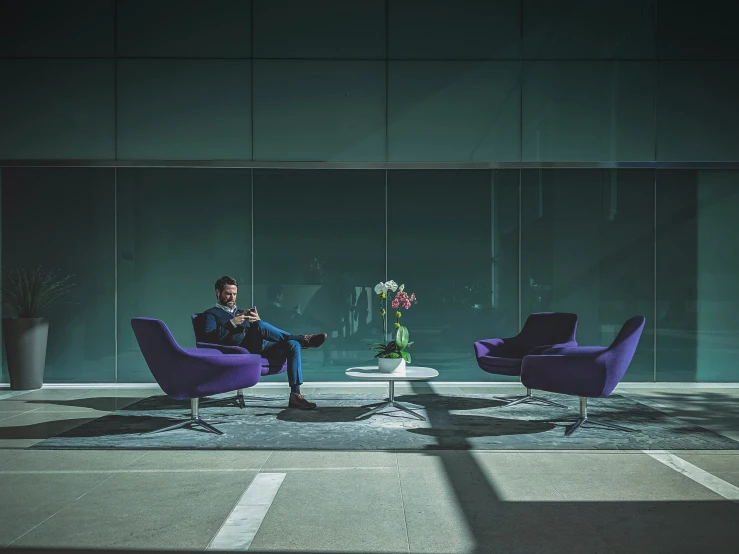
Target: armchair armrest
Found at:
x=541, y=349
x=223, y=348
x=576, y=350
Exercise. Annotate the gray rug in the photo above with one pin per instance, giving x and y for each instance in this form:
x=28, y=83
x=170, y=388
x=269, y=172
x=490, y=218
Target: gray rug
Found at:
x=475, y=421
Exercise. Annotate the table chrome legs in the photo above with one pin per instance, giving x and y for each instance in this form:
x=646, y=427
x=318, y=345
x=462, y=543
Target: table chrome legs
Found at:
x=391, y=403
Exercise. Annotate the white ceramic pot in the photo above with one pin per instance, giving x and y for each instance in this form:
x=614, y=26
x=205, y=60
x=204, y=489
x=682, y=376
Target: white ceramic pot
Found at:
x=391, y=365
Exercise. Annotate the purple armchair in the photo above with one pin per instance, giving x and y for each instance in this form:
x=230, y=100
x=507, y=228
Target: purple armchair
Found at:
x=192, y=373
x=585, y=371
x=541, y=331
x=267, y=366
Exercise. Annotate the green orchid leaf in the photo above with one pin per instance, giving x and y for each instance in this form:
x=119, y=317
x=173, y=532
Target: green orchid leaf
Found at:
x=401, y=338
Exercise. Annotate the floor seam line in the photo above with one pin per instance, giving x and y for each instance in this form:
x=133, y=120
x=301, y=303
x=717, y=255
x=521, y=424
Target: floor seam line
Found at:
x=693, y=472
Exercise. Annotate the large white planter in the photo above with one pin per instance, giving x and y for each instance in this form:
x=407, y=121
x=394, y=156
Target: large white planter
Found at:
x=391, y=365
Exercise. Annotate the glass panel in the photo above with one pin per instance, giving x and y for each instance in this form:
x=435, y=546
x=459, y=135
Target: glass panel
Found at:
x=57, y=109
x=690, y=30
x=697, y=272
x=178, y=231
x=184, y=28
x=453, y=241
x=588, y=30
x=50, y=28
x=588, y=111
x=465, y=29
x=588, y=248
x=319, y=110
x=698, y=116
x=454, y=111
x=324, y=251
x=184, y=109
x=63, y=219
x=319, y=29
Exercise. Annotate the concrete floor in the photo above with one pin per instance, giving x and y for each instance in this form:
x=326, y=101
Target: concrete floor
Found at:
x=437, y=501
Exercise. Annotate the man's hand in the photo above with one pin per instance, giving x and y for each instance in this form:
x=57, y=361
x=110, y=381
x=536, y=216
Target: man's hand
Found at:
x=240, y=318
x=252, y=315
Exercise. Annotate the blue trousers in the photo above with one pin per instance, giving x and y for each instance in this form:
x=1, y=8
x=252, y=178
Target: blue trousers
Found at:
x=273, y=343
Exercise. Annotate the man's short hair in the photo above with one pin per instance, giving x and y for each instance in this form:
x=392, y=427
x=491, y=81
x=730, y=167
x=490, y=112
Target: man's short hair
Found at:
x=224, y=281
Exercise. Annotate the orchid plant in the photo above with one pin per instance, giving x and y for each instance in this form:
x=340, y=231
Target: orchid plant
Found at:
x=398, y=298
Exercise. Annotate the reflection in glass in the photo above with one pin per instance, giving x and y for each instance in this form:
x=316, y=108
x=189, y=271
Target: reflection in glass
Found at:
x=178, y=231
x=587, y=247
x=319, y=110
x=588, y=111
x=454, y=111
x=588, y=30
x=319, y=29
x=319, y=246
x=453, y=240
x=63, y=218
x=184, y=109
x=463, y=30
x=697, y=272
x=698, y=116
x=57, y=109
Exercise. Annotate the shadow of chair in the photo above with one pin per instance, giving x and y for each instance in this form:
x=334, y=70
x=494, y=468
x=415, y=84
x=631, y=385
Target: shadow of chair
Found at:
x=267, y=366
x=584, y=371
x=543, y=330
x=192, y=373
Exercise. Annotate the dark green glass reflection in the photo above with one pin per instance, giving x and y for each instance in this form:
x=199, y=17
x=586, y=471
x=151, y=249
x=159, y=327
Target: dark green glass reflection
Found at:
x=464, y=29
x=64, y=219
x=184, y=109
x=184, y=29
x=319, y=29
x=453, y=240
x=454, y=111
x=178, y=231
x=319, y=110
x=49, y=28
x=588, y=111
x=697, y=272
x=319, y=240
x=57, y=109
x=588, y=30
x=587, y=247
x=698, y=115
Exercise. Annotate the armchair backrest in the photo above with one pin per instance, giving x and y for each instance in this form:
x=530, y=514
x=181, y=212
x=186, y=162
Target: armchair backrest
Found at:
x=159, y=348
x=548, y=328
x=198, y=326
x=621, y=351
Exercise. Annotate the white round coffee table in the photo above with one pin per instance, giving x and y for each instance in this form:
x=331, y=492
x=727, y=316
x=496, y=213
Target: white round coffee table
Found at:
x=371, y=373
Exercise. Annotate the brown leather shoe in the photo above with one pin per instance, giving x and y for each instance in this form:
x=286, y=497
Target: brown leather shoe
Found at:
x=299, y=401
x=313, y=341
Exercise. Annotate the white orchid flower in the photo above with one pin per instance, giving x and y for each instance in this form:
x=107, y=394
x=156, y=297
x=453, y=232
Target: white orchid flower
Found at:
x=384, y=287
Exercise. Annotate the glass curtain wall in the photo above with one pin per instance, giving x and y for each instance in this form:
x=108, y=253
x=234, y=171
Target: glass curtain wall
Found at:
x=481, y=249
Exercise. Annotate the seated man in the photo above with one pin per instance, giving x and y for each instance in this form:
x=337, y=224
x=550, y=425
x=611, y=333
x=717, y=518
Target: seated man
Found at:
x=227, y=325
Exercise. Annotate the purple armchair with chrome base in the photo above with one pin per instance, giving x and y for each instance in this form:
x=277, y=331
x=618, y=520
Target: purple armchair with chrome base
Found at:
x=192, y=373
x=267, y=366
x=585, y=371
x=541, y=331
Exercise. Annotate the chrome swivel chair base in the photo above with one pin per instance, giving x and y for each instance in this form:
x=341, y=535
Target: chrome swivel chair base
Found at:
x=194, y=420
x=584, y=420
x=531, y=397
